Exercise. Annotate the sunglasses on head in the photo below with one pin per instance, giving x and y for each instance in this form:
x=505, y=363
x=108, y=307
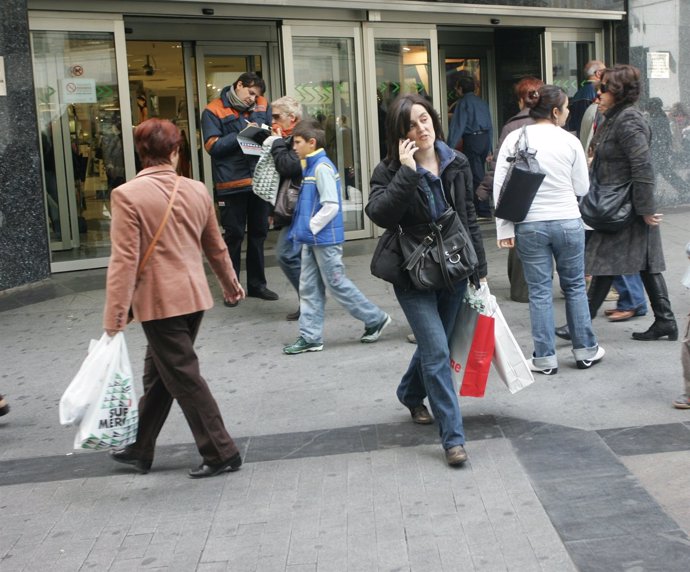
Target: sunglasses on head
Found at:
x=276, y=115
x=603, y=87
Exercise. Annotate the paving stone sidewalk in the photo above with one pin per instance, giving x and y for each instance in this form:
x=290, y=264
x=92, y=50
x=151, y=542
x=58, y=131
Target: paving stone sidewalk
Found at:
x=583, y=471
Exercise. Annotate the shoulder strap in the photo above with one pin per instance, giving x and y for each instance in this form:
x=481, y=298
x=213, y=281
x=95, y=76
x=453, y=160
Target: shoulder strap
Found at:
x=161, y=226
x=521, y=137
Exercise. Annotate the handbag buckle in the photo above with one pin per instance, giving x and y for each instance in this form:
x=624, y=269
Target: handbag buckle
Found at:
x=428, y=240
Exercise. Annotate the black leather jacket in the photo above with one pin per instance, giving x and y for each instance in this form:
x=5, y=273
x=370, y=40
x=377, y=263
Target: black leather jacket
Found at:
x=396, y=200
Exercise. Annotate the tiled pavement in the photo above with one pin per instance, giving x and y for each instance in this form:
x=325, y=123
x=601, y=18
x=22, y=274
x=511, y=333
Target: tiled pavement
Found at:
x=586, y=470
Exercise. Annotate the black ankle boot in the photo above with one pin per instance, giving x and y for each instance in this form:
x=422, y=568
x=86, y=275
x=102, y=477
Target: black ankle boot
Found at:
x=658, y=330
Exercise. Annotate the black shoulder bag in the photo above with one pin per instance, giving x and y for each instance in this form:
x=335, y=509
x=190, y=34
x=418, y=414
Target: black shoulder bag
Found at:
x=437, y=254
x=522, y=182
x=607, y=208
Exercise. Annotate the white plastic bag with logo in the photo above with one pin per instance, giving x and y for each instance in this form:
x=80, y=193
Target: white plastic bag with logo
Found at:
x=102, y=397
x=85, y=387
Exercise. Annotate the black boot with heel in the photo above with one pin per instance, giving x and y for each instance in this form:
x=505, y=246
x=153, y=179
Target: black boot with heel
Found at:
x=664, y=321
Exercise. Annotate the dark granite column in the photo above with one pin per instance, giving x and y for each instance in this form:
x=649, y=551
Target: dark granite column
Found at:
x=24, y=251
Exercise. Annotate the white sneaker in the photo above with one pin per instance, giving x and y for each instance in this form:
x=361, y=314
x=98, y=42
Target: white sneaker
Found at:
x=587, y=363
x=542, y=370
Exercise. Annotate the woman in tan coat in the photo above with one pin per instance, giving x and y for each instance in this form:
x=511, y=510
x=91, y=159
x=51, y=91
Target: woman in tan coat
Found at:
x=168, y=293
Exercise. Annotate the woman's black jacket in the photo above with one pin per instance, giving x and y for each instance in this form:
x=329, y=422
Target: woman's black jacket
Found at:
x=396, y=201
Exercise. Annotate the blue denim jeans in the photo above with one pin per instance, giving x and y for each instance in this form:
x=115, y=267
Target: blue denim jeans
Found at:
x=322, y=266
x=431, y=315
x=631, y=294
x=289, y=255
x=538, y=244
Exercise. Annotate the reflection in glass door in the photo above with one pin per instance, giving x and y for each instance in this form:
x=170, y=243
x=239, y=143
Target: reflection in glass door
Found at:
x=80, y=121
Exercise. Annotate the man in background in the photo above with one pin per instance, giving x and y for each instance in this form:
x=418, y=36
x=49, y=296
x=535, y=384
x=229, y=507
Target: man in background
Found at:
x=471, y=124
x=239, y=105
x=585, y=96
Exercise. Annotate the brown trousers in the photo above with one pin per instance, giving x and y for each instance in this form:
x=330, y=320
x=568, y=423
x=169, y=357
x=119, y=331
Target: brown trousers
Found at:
x=171, y=371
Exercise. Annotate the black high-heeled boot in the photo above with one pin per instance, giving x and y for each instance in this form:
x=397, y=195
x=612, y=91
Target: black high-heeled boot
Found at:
x=664, y=321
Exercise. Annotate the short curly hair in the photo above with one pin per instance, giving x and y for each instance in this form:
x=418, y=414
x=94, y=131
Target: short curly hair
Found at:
x=623, y=82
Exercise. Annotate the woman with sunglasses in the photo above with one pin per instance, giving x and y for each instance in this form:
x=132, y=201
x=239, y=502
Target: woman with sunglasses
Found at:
x=622, y=153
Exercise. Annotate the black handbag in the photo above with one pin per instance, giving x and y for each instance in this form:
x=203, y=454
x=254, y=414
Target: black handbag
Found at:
x=607, y=208
x=522, y=182
x=438, y=254
x=286, y=201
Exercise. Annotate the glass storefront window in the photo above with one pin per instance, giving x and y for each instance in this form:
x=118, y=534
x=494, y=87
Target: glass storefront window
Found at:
x=324, y=76
x=81, y=138
x=402, y=66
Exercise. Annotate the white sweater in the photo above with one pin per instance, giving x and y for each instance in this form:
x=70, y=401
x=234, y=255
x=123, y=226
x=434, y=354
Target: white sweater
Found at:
x=561, y=157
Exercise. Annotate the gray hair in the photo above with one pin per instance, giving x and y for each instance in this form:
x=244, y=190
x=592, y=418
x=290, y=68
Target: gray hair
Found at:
x=593, y=66
x=289, y=105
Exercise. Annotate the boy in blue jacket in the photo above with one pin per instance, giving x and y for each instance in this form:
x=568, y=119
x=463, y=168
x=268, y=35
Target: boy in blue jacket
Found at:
x=318, y=226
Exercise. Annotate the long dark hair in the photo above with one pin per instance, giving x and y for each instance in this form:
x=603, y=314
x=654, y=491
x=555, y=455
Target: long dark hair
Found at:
x=398, y=122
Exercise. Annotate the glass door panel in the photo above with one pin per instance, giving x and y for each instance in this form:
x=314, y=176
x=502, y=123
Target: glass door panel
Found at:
x=398, y=60
x=78, y=102
x=567, y=52
x=402, y=66
x=569, y=59
x=157, y=89
x=325, y=84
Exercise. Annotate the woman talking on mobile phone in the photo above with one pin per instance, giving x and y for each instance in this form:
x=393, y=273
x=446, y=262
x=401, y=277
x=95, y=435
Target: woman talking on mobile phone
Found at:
x=419, y=178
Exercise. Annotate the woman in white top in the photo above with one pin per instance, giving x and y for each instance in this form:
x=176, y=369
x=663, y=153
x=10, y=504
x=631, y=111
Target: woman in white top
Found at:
x=552, y=230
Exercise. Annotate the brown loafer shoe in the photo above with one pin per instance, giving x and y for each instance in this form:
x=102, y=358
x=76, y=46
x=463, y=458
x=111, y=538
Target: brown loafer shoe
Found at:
x=621, y=315
x=610, y=311
x=421, y=415
x=456, y=455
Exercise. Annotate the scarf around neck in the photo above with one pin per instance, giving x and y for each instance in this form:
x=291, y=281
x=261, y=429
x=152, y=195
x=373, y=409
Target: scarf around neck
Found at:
x=236, y=102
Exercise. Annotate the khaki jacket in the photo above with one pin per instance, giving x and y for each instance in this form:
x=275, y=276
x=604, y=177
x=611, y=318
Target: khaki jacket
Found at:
x=173, y=282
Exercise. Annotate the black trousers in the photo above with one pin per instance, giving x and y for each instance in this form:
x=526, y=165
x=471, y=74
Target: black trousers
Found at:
x=240, y=211
x=171, y=371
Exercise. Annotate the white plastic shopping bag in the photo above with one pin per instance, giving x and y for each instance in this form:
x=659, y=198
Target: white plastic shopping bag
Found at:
x=509, y=361
x=111, y=417
x=85, y=387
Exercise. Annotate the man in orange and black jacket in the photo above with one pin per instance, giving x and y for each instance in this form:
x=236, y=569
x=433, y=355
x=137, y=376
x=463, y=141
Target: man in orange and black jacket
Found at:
x=238, y=106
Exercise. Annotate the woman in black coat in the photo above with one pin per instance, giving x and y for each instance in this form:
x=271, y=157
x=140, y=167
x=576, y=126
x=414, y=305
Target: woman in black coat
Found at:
x=622, y=153
x=420, y=177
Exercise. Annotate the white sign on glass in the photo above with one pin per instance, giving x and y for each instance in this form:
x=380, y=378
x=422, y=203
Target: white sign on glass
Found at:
x=78, y=90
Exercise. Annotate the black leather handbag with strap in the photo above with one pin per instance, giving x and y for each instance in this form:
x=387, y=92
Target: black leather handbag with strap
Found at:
x=522, y=182
x=607, y=208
